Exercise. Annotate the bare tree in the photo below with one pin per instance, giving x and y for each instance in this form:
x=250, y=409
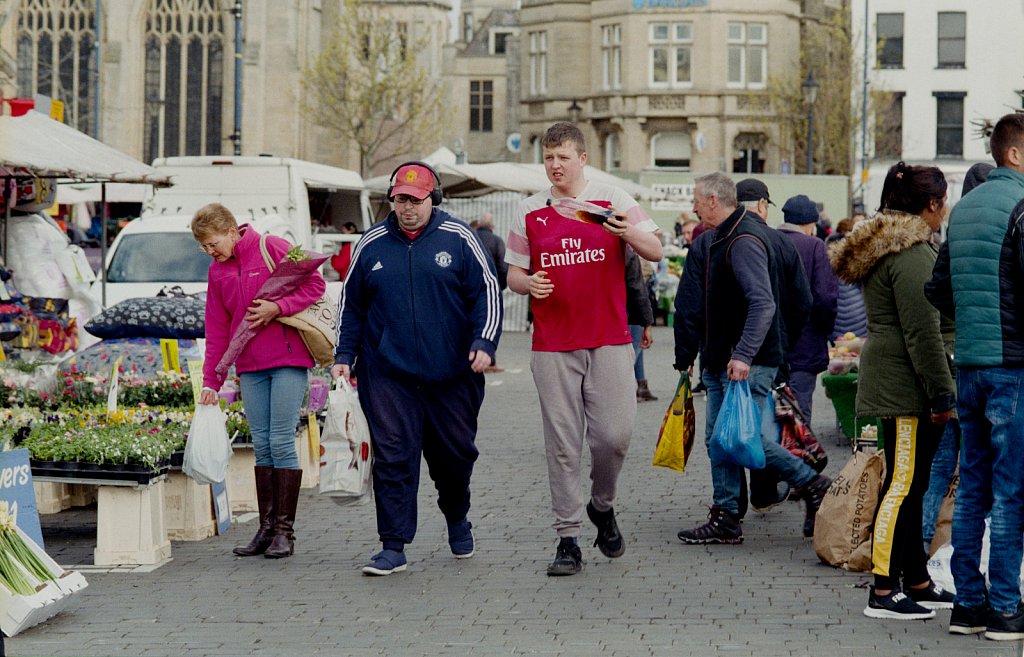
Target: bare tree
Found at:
x=826, y=51
x=367, y=87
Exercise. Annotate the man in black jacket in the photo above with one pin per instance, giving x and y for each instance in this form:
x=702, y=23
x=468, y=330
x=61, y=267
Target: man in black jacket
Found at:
x=733, y=320
x=494, y=246
x=795, y=300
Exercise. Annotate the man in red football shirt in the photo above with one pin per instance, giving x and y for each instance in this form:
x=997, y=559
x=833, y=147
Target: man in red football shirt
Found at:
x=574, y=272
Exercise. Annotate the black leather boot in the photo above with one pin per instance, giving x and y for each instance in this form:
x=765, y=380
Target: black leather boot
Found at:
x=265, y=503
x=286, y=499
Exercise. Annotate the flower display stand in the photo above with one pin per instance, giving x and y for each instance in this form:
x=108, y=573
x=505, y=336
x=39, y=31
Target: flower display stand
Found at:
x=82, y=495
x=241, y=481
x=188, y=508
x=130, y=524
x=52, y=497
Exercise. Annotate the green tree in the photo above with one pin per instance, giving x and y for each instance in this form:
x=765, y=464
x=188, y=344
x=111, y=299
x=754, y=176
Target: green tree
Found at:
x=367, y=87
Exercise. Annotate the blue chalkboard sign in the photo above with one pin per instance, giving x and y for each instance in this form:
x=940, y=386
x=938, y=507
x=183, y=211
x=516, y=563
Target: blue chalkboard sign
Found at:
x=16, y=489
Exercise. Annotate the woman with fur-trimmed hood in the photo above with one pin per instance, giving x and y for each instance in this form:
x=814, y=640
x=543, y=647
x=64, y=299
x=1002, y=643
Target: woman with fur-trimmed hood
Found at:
x=905, y=377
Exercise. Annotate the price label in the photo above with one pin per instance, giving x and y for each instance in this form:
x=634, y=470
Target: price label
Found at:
x=169, y=350
x=195, y=373
x=115, y=385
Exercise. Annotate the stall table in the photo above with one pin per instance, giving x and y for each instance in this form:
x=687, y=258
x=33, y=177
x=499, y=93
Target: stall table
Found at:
x=130, y=525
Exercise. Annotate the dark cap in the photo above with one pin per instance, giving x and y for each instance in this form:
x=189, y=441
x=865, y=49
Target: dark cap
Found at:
x=976, y=175
x=751, y=189
x=799, y=210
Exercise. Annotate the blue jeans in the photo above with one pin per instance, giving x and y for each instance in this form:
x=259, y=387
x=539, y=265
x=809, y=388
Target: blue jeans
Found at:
x=802, y=384
x=272, y=400
x=943, y=467
x=636, y=332
x=991, y=406
x=726, y=477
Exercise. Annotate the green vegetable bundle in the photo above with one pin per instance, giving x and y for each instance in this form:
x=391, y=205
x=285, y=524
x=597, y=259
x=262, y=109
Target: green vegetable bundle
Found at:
x=21, y=569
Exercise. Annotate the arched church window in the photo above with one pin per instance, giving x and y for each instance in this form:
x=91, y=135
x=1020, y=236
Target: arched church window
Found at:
x=184, y=82
x=56, y=58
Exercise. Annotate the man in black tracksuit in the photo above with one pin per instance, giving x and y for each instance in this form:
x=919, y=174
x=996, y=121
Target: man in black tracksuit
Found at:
x=420, y=322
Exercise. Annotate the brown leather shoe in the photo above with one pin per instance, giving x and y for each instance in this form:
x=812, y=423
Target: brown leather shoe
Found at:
x=286, y=499
x=265, y=503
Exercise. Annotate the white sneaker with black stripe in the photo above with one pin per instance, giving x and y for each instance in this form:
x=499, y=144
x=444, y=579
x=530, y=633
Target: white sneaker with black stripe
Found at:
x=897, y=606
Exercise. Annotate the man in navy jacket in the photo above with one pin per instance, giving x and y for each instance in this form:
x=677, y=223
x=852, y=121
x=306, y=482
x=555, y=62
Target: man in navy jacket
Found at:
x=420, y=321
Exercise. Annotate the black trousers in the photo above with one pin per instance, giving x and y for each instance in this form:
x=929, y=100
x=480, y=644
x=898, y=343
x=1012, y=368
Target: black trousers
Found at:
x=407, y=420
x=897, y=549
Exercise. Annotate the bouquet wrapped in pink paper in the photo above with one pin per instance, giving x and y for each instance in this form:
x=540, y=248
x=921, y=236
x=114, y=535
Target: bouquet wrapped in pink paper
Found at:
x=287, y=276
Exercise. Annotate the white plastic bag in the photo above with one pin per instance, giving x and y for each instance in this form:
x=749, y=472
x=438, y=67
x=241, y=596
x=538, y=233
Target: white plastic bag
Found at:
x=942, y=574
x=346, y=459
x=208, y=449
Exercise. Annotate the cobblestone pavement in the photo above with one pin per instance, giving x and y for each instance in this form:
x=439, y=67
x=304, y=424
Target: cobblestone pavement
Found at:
x=769, y=596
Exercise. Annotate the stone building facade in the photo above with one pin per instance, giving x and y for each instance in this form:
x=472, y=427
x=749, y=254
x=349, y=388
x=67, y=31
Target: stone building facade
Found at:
x=654, y=84
x=166, y=78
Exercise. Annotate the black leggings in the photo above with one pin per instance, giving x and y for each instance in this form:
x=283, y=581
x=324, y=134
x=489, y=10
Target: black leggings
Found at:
x=898, y=549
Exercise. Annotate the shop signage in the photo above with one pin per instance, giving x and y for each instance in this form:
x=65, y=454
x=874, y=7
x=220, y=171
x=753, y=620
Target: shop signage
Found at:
x=17, y=491
x=669, y=4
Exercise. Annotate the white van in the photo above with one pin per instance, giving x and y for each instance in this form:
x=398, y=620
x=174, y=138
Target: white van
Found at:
x=155, y=252
x=312, y=197
x=304, y=202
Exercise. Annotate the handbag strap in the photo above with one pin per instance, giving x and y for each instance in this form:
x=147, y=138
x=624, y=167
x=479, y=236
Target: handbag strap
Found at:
x=266, y=254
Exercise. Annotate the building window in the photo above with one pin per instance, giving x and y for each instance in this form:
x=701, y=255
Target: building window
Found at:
x=499, y=41
x=612, y=152
x=611, y=56
x=890, y=40
x=184, y=78
x=537, y=150
x=55, y=56
x=949, y=124
x=481, y=105
x=538, y=63
x=749, y=148
x=952, y=39
x=671, y=46
x=748, y=55
x=467, y=26
x=671, y=150
x=889, y=126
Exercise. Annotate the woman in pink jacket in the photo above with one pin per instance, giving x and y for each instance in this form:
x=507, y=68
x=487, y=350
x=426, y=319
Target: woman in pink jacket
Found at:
x=273, y=367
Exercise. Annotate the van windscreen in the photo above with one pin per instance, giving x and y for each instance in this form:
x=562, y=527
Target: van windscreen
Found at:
x=158, y=258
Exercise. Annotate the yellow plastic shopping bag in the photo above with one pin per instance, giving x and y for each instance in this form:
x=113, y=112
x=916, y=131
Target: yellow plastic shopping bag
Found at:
x=675, y=440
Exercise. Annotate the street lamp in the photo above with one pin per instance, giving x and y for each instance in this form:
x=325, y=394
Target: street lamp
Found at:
x=574, y=111
x=810, y=89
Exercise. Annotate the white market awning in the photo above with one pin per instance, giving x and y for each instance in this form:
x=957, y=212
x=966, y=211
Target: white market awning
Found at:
x=35, y=144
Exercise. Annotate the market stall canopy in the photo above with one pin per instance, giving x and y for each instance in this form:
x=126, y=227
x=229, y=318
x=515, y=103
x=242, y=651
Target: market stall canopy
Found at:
x=468, y=180
x=38, y=145
x=81, y=192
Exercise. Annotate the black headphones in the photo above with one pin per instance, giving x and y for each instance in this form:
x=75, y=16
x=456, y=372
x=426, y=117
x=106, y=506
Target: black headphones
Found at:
x=435, y=194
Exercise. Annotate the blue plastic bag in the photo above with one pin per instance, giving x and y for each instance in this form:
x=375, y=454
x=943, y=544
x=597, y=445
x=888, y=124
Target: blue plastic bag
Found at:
x=737, y=435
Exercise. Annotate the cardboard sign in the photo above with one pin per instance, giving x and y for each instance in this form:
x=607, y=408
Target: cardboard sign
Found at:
x=16, y=489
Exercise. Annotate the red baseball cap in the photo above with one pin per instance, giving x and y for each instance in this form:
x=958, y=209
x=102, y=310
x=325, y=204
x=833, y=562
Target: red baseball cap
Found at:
x=413, y=180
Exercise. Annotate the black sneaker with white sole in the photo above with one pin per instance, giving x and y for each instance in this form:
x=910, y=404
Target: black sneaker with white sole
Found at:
x=968, y=620
x=1005, y=628
x=897, y=606
x=932, y=596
